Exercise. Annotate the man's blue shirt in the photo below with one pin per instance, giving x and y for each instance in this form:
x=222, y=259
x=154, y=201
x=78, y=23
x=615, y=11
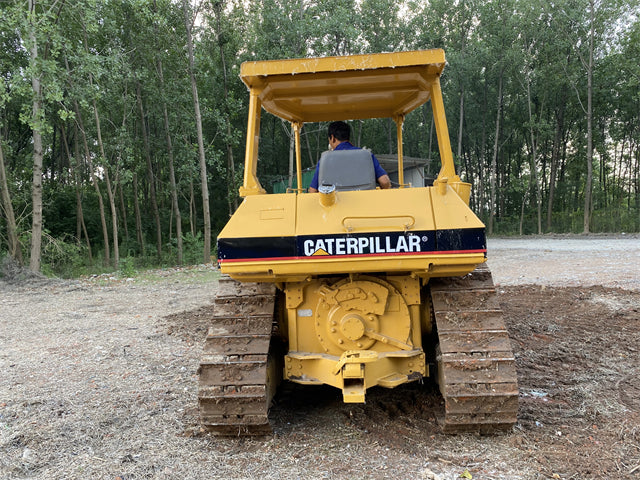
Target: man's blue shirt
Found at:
x=348, y=146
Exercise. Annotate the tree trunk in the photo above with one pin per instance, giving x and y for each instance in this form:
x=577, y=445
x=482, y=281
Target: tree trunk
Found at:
x=203, y=163
x=555, y=157
x=231, y=172
x=192, y=209
x=319, y=144
x=123, y=209
x=110, y=196
x=136, y=207
x=94, y=181
x=482, y=154
x=232, y=194
x=172, y=175
x=37, y=117
x=636, y=182
x=534, y=163
x=118, y=188
x=494, y=159
x=525, y=196
x=311, y=162
x=588, y=204
x=114, y=217
x=150, y=174
x=81, y=227
x=390, y=127
x=15, y=251
x=103, y=159
x=460, y=123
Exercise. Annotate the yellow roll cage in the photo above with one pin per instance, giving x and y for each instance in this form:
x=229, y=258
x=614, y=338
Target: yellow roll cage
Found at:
x=383, y=85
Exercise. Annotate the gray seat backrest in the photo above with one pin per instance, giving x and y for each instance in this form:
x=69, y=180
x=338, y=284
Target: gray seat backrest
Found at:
x=347, y=170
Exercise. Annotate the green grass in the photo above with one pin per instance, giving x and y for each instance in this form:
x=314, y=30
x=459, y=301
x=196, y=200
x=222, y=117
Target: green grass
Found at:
x=192, y=274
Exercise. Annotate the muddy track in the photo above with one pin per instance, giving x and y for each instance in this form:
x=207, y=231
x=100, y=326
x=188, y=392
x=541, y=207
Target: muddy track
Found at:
x=476, y=366
x=235, y=383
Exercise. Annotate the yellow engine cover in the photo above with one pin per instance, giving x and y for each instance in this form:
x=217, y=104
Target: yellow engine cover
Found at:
x=288, y=237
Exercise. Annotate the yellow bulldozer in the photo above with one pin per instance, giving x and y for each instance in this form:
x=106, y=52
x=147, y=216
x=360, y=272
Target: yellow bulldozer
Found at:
x=354, y=286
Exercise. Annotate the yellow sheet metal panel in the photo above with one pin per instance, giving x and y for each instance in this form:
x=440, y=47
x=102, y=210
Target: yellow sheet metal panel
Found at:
x=253, y=70
x=426, y=266
x=366, y=211
x=263, y=216
x=350, y=87
x=288, y=237
x=451, y=212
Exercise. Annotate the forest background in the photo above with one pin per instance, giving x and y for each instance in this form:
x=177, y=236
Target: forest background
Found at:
x=122, y=123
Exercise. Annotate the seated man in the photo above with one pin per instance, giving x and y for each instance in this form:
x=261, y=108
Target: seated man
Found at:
x=339, y=134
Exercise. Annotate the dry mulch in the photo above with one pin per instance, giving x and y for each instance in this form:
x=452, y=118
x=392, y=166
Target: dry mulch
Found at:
x=99, y=381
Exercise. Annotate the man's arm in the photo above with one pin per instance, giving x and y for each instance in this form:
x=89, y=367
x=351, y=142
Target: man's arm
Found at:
x=313, y=186
x=381, y=175
x=384, y=181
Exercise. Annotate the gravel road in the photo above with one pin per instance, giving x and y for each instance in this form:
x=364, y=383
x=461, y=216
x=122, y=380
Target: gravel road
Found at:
x=609, y=261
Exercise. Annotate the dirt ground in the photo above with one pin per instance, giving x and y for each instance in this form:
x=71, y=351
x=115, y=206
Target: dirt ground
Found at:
x=98, y=380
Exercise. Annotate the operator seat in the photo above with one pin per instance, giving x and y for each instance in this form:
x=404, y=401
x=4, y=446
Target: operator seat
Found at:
x=347, y=170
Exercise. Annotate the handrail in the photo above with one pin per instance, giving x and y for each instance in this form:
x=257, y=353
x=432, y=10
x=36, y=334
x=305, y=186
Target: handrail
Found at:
x=399, y=123
x=297, y=126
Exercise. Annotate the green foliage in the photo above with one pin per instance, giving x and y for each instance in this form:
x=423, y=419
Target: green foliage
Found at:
x=101, y=61
x=127, y=267
x=63, y=257
x=192, y=245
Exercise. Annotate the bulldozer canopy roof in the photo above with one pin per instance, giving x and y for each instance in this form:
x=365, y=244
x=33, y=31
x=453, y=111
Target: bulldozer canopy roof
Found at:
x=342, y=88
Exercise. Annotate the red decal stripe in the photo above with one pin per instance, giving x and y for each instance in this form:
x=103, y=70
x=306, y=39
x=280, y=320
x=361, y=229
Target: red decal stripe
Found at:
x=370, y=255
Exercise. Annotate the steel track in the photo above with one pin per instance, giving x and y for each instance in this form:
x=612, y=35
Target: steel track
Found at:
x=476, y=366
x=237, y=376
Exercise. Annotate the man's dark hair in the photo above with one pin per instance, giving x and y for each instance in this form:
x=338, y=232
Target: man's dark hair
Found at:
x=340, y=130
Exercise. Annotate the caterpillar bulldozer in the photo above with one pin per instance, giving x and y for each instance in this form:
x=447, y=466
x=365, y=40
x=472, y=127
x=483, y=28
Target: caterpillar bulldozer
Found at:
x=354, y=286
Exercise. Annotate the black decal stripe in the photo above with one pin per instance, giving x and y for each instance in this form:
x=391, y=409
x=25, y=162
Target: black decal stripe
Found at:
x=256, y=248
x=425, y=239
x=452, y=241
x=342, y=257
x=461, y=239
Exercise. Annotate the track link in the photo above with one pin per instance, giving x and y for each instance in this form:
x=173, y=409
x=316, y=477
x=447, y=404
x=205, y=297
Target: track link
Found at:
x=237, y=376
x=476, y=366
